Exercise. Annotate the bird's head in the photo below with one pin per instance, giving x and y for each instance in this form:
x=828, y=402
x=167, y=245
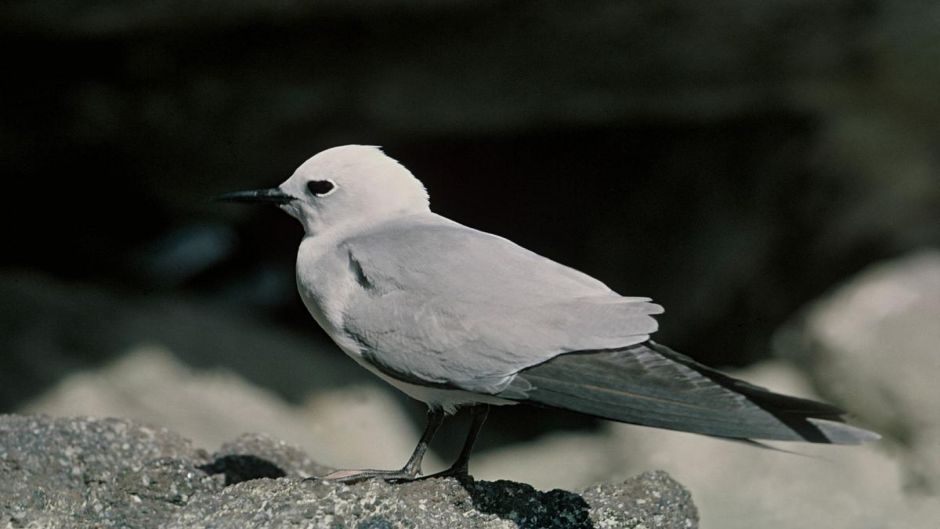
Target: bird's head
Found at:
x=351, y=184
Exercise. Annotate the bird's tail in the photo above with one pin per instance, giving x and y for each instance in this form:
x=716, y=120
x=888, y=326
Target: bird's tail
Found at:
x=650, y=384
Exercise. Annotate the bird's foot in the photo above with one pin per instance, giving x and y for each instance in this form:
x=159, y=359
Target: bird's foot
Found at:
x=355, y=476
x=457, y=471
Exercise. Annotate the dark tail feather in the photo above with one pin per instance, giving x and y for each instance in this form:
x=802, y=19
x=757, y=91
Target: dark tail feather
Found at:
x=652, y=385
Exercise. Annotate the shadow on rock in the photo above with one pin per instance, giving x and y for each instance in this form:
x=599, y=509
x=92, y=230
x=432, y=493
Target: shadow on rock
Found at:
x=527, y=507
x=239, y=468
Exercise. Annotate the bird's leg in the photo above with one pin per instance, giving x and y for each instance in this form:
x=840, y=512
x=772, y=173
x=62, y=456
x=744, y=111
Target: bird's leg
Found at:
x=411, y=468
x=461, y=467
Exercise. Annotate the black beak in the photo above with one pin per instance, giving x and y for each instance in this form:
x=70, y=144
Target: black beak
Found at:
x=269, y=196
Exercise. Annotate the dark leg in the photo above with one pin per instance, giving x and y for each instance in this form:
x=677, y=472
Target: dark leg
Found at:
x=462, y=465
x=411, y=468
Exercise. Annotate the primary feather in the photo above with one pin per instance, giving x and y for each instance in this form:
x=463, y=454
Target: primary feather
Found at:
x=652, y=385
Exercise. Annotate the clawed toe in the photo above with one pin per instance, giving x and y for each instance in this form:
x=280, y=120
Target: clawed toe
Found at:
x=355, y=476
x=349, y=475
x=458, y=472
x=412, y=468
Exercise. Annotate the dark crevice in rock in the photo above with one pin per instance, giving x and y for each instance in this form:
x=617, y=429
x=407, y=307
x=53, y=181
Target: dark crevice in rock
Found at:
x=239, y=468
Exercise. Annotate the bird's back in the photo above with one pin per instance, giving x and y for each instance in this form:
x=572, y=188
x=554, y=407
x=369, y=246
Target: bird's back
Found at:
x=441, y=303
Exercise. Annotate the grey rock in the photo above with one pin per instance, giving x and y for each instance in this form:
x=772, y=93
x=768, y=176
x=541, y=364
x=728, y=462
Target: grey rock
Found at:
x=650, y=500
x=258, y=450
x=52, y=329
x=871, y=346
x=83, y=472
x=104, y=472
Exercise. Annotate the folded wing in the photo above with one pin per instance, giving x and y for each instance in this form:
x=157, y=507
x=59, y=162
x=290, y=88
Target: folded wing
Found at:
x=652, y=385
x=443, y=304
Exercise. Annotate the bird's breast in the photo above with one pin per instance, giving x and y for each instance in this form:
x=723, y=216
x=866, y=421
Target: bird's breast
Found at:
x=326, y=284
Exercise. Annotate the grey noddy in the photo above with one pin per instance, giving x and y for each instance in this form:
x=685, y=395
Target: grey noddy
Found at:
x=457, y=317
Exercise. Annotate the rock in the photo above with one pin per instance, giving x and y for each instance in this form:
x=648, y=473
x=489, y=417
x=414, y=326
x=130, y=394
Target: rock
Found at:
x=151, y=384
x=53, y=328
x=81, y=472
x=114, y=473
x=258, y=455
x=649, y=500
x=872, y=347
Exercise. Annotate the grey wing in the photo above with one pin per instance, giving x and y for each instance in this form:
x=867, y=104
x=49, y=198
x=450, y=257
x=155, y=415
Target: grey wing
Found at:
x=652, y=385
x=443, y=304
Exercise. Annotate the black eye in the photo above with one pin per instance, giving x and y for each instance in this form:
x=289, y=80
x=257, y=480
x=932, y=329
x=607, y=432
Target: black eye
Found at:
x=320, y=187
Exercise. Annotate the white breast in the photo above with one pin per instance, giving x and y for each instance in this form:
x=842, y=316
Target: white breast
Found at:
x=326, y=283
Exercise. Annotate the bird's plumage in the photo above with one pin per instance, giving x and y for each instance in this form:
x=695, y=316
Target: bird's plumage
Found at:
x=652, y=385
x=483, y=311
x=455, y=316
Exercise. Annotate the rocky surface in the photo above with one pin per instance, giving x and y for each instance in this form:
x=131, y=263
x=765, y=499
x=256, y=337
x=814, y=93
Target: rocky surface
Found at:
x=875, y=342
x=113, y=473
x=52, y=328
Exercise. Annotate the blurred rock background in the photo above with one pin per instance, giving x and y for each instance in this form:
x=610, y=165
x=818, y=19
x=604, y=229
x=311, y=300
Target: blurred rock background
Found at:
x=768, y=171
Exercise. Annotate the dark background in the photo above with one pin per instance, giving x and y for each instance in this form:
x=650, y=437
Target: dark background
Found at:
x=733, y=161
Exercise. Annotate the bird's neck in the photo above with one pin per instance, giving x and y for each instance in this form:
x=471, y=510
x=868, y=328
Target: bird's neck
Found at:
x=351, y=227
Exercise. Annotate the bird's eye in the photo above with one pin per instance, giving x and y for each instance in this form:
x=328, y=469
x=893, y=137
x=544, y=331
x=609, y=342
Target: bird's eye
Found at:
x=320, y=187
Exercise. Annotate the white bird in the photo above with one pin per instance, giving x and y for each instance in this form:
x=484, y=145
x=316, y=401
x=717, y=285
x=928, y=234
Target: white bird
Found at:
x=456, y=317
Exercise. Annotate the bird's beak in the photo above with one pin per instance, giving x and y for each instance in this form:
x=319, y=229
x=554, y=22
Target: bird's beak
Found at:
x=269, y=196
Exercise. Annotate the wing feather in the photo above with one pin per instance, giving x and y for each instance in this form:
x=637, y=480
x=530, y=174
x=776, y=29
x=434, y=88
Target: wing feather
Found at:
x=444, y=304
x=652, y=385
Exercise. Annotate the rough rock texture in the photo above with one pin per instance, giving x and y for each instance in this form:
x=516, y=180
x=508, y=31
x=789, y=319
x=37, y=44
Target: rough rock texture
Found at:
x=76, y=473
x=113, y=473
x=875, y=342
x=649, y=500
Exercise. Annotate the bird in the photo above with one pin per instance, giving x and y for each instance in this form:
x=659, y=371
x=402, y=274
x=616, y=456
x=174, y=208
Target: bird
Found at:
x=459, y=318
